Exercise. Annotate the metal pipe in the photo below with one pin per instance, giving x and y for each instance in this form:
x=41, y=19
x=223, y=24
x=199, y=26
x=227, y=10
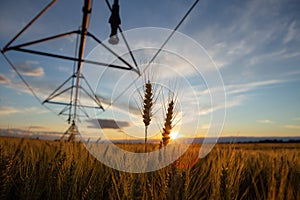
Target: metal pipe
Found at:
x=85, y=23
x=59, y=87
x=70, y=58
x=68, y=104
x=56, y=95
x=31, y=22
x=110, y=50
x=40, y=40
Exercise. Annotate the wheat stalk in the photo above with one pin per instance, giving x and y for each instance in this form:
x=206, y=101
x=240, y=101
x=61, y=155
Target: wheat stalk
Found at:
x=224, y=192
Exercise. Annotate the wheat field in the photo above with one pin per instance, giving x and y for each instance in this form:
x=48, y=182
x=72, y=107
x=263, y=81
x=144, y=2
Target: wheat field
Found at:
x=35, y=169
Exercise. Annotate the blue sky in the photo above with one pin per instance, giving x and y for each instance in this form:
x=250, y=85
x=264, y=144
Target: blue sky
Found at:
x=255, y=45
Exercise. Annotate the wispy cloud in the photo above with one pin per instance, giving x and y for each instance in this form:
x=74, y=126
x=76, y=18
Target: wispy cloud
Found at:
x=65, y=69
x=265, y=121
x=292, y=32
x=4, y=79
x=273, y=55
x=37, y=128
x=291, y=126
x=27, y=133
x=11, y=110
x=42, y=87
x=246, y=87
x=8, y=110
x=251, y=37
x=30, y=68
x=237, y=94
x=291, y=54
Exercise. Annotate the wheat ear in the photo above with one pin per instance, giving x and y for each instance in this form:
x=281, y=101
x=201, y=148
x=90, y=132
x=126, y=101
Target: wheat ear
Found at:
x=147, y=108
x=168, y=123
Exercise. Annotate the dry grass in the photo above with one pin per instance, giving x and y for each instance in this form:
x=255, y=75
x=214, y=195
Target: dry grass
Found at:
x=31, y=169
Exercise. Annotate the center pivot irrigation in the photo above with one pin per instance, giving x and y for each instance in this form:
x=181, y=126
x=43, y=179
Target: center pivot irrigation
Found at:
x=70, y=108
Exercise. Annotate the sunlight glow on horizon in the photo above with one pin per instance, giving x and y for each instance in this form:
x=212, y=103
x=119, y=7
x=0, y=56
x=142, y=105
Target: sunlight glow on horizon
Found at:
x=174, y=135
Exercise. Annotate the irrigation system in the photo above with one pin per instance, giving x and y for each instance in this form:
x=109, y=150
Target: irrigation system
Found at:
x=70, y=108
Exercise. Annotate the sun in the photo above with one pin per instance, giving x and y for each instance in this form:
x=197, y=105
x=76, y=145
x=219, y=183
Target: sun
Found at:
x=174, y=135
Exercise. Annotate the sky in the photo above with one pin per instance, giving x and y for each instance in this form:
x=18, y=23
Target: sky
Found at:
x=254, y=46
